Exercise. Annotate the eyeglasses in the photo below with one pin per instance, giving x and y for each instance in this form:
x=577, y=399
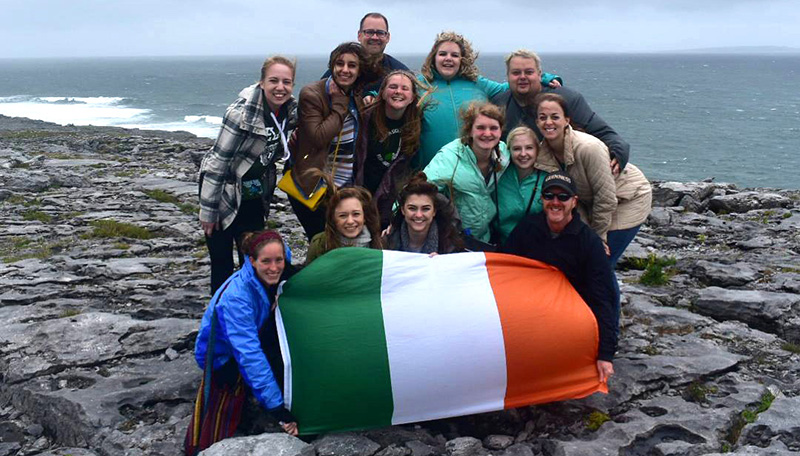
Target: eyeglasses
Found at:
x=373, y=32
x=563, y=197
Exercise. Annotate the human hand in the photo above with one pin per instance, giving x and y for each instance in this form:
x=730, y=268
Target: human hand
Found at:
x=554, y=83
x=274, y=305
x=605, y=247
x=209, y=227
x=615, y=167
x=387, y=231
x=605, y=369
x=290, y=428
x=368, y=99
x=432, y=254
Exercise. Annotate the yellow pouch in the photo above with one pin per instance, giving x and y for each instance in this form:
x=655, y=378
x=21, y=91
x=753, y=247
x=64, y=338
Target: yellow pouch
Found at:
x=290, y=187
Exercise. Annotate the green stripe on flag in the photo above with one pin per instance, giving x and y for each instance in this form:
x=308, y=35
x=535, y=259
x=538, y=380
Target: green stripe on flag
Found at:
x=340, y=366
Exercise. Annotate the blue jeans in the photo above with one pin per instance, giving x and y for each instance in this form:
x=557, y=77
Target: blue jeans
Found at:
x=618, y=241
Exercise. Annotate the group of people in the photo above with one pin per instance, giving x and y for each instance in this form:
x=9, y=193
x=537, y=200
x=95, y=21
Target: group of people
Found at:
x=435, y=163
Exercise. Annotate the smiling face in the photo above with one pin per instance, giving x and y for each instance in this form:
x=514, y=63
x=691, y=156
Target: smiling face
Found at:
x=524, y=149
x=551, y=121
x=558, y=213
x=349, y=217
x=277, y=85
x=270, y=263
x=485, y=134
x=374, y=36
x=524, y=79
x=345, y=71
x=448, y=60
x=418, y=213
x=398, y=94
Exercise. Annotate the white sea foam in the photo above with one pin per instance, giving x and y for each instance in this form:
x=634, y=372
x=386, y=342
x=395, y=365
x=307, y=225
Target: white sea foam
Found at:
x=102, y=111
x=202, y=129
x=213, y=120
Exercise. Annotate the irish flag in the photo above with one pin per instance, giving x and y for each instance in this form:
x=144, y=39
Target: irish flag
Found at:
x=375, y=338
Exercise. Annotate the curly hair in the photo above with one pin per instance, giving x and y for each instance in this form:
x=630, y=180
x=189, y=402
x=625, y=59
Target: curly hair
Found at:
x=471, y=113
x=412, y=117
x=446, y=220
x=467, y=70
x=366, y=71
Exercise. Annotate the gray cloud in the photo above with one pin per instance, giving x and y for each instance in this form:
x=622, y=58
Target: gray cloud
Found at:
x=38, y=28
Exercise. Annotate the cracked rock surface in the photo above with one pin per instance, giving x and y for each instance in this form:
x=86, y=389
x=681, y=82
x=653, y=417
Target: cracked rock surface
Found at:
x=99, y=326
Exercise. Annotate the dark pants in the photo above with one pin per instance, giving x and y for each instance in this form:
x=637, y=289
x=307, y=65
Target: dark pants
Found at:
x=250, y=217
x=313, y=221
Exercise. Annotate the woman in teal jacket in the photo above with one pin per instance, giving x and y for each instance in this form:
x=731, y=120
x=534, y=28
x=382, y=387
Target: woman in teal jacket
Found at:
x=519, y=191
x=451, y=72
x=469, y=168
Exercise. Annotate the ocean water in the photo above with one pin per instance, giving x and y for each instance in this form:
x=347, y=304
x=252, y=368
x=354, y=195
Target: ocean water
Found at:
x=735, y=118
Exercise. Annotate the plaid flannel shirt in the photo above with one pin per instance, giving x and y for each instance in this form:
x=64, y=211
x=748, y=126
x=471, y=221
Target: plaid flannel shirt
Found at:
x=243, y=139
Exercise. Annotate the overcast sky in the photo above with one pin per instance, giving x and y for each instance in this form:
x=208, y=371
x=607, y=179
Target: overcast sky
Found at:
x=60, y=28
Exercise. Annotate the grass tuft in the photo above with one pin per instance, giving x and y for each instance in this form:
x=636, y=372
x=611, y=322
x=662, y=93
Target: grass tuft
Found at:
x=39, y=216
x=110, y=229
x=790, y=347
x=595, y=419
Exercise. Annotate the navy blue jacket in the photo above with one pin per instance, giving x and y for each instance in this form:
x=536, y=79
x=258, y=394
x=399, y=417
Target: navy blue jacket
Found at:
x=579, y=253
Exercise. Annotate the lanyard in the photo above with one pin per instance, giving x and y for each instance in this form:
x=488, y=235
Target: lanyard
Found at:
x=280, y=126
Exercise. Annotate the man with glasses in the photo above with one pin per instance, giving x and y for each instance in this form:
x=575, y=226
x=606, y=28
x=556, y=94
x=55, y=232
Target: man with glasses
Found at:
x=558, y=237
x=524, y=71
x=373, y=34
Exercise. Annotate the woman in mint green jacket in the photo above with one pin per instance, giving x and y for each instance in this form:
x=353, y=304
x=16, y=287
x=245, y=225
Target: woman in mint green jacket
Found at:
x=450, y=70
x=469, y=168
x=519, y=191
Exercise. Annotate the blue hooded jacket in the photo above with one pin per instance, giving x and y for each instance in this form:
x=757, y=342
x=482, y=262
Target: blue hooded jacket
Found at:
x=242, y=310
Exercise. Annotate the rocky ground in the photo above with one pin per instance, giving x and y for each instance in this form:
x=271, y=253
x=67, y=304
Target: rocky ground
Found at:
x=103, y=276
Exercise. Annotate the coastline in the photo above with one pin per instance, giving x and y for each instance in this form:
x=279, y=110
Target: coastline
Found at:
x=101, y=317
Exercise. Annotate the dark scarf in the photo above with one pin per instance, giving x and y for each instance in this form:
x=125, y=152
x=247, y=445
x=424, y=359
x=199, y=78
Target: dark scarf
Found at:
x=431, y=244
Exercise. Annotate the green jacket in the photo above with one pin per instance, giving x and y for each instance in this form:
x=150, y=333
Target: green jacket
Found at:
x=514, y=197
x=441, y=121
x=472, y=196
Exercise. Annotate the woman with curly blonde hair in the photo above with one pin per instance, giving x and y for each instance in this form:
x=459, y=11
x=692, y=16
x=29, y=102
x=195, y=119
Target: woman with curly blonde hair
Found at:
x=455, y=81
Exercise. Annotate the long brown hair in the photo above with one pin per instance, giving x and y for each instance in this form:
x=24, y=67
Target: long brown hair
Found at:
x=412, y=117
x=366, y=72
x=446, y=221
x=467, y=70
x=372, y=220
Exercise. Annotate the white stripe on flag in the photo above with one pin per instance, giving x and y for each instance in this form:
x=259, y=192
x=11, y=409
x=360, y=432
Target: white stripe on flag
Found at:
x=287, y=359
x=443, y=335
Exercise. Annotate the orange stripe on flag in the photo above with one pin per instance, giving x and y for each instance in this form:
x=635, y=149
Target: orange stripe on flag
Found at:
x=550, y=334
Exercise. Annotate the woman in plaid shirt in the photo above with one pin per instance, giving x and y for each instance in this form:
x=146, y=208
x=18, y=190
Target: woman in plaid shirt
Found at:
x=238, y=175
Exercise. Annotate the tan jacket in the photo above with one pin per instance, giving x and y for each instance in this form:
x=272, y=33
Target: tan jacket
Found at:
x=604, y=203
x=634, y=199
x=320, y=119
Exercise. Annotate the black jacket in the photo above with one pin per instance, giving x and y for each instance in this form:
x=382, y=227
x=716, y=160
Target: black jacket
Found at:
x=581, y=116
x=579, y=253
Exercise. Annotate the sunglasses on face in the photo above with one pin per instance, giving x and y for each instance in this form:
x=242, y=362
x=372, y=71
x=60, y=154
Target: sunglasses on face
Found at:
x=373, y=32
x=563, y=197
